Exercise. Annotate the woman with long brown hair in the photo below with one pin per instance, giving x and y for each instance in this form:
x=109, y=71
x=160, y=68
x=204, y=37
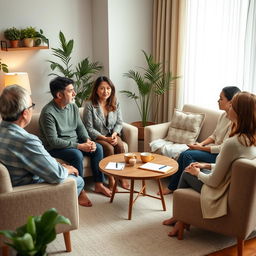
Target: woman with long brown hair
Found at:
x=213, y=185
x=103, y=120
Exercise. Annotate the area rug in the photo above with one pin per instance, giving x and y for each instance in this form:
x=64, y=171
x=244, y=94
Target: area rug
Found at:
x=105, y=230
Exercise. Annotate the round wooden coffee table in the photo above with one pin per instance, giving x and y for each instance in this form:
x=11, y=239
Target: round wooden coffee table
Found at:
x=134, y=173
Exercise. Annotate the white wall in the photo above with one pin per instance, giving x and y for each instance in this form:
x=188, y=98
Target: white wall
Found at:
x=72, y=17
x=110, y=31
x=130, y=31
x=100, y=33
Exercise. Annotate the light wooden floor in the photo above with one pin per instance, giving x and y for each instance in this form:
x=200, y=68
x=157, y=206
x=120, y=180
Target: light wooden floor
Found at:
x=249, y=250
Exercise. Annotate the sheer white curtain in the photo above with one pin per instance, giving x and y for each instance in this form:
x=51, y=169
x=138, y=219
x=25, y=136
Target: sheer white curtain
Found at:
x=250, y=50
x=214, y=49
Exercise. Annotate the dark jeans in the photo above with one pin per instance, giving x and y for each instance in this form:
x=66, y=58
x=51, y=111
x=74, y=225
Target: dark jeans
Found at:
x=185, y=159
x=75, y=158
x=190, y=181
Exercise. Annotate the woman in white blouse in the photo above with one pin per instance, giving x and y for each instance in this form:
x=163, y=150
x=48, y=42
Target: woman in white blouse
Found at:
x=214, y=184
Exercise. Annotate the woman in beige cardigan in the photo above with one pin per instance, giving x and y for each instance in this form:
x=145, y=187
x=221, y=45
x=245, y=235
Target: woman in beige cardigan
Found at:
x=214, y=185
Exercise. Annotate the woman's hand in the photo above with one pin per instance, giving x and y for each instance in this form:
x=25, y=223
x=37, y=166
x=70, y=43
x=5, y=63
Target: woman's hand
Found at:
x=193, y=170
x=112, y=140
x=196, y=146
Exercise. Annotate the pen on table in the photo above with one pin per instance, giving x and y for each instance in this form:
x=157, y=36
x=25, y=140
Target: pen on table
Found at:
x=162, y=167
x=116, y=165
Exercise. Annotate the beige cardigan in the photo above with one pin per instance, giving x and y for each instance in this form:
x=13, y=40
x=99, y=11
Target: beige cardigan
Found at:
x=214, y=193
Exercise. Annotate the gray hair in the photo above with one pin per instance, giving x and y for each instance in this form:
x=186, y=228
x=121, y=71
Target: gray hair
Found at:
x=13, y=100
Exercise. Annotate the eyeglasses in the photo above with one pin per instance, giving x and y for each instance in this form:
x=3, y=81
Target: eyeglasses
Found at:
x=32, y=106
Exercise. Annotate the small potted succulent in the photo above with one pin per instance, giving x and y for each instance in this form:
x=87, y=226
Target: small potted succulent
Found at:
x=13, y=35
x=32, y=238
x=28, y=34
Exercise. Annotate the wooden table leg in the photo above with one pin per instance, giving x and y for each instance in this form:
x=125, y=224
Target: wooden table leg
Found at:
x=5, y=250
x=161, y=194
x=114, y=191
x=144, y=185
x=131, y=200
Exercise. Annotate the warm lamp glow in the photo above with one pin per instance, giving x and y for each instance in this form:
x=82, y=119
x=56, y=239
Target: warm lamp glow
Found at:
x=19, y=78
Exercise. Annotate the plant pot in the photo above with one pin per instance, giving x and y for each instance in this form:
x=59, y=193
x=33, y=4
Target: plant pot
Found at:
x=14, y=43
x=28, y=42
x=140, y=127
x=37, y=41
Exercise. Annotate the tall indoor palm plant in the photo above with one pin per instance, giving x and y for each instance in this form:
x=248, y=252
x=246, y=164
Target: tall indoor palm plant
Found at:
x=152, y=82
x=82, y=74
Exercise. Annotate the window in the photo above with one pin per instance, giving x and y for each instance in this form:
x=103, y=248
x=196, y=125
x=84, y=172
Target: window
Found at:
x=214, y=49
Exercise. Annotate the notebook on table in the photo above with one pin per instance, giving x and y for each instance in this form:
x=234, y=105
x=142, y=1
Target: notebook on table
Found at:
x=156, y=167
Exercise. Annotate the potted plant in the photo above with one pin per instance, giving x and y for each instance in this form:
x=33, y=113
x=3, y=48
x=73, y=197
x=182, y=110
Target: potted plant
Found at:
x=28, y=34
x=33, y=237
x=40, y=38
x=153, y=82
x=82, y=74
x=13, y=35
x=3, y=67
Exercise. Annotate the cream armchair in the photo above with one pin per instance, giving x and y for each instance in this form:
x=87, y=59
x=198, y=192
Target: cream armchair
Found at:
x=159, y=131
x=18, y=203
x=240, y=220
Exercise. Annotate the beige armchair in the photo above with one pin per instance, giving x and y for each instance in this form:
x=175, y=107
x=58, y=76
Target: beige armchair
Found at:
x=18, y=203
x=160, y=131
x=240, y=220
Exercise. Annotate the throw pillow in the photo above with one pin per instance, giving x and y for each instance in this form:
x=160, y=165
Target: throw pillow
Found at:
x=185, y=127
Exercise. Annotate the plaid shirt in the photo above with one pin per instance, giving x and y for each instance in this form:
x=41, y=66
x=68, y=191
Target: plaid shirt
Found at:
x=25, y=157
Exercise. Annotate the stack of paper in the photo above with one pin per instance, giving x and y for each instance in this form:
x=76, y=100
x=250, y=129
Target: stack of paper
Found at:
x=115, y=166
x=156, y=167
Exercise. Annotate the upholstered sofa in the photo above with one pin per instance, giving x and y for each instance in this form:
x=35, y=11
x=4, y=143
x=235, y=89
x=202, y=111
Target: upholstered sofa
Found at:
x=129, y=136
x=160, y=131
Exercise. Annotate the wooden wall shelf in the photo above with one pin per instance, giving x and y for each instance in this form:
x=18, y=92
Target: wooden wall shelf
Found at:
x=5, y=48
x=25, y=48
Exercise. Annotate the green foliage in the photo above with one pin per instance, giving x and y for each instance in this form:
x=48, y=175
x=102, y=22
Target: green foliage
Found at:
x=12, y=34
x=32, y=238
x=3, y=67
x=40, y=37
x=82, y=74
x=28, y=32
x=153, y=82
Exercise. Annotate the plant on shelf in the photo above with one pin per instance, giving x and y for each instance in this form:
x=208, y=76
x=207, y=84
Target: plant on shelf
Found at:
x=13, y=35
x=28, y=34
x=40, y=38
x=3, y=67
x=82, y=74
x=32, y=238
x=153, y=82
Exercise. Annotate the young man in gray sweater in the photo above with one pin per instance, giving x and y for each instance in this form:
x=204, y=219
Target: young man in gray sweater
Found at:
x=64, y=135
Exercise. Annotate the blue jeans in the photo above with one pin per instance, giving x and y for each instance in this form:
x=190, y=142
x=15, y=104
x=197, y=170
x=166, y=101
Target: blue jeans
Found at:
x=75, y=158
x=79, y=183
x=185, y=159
